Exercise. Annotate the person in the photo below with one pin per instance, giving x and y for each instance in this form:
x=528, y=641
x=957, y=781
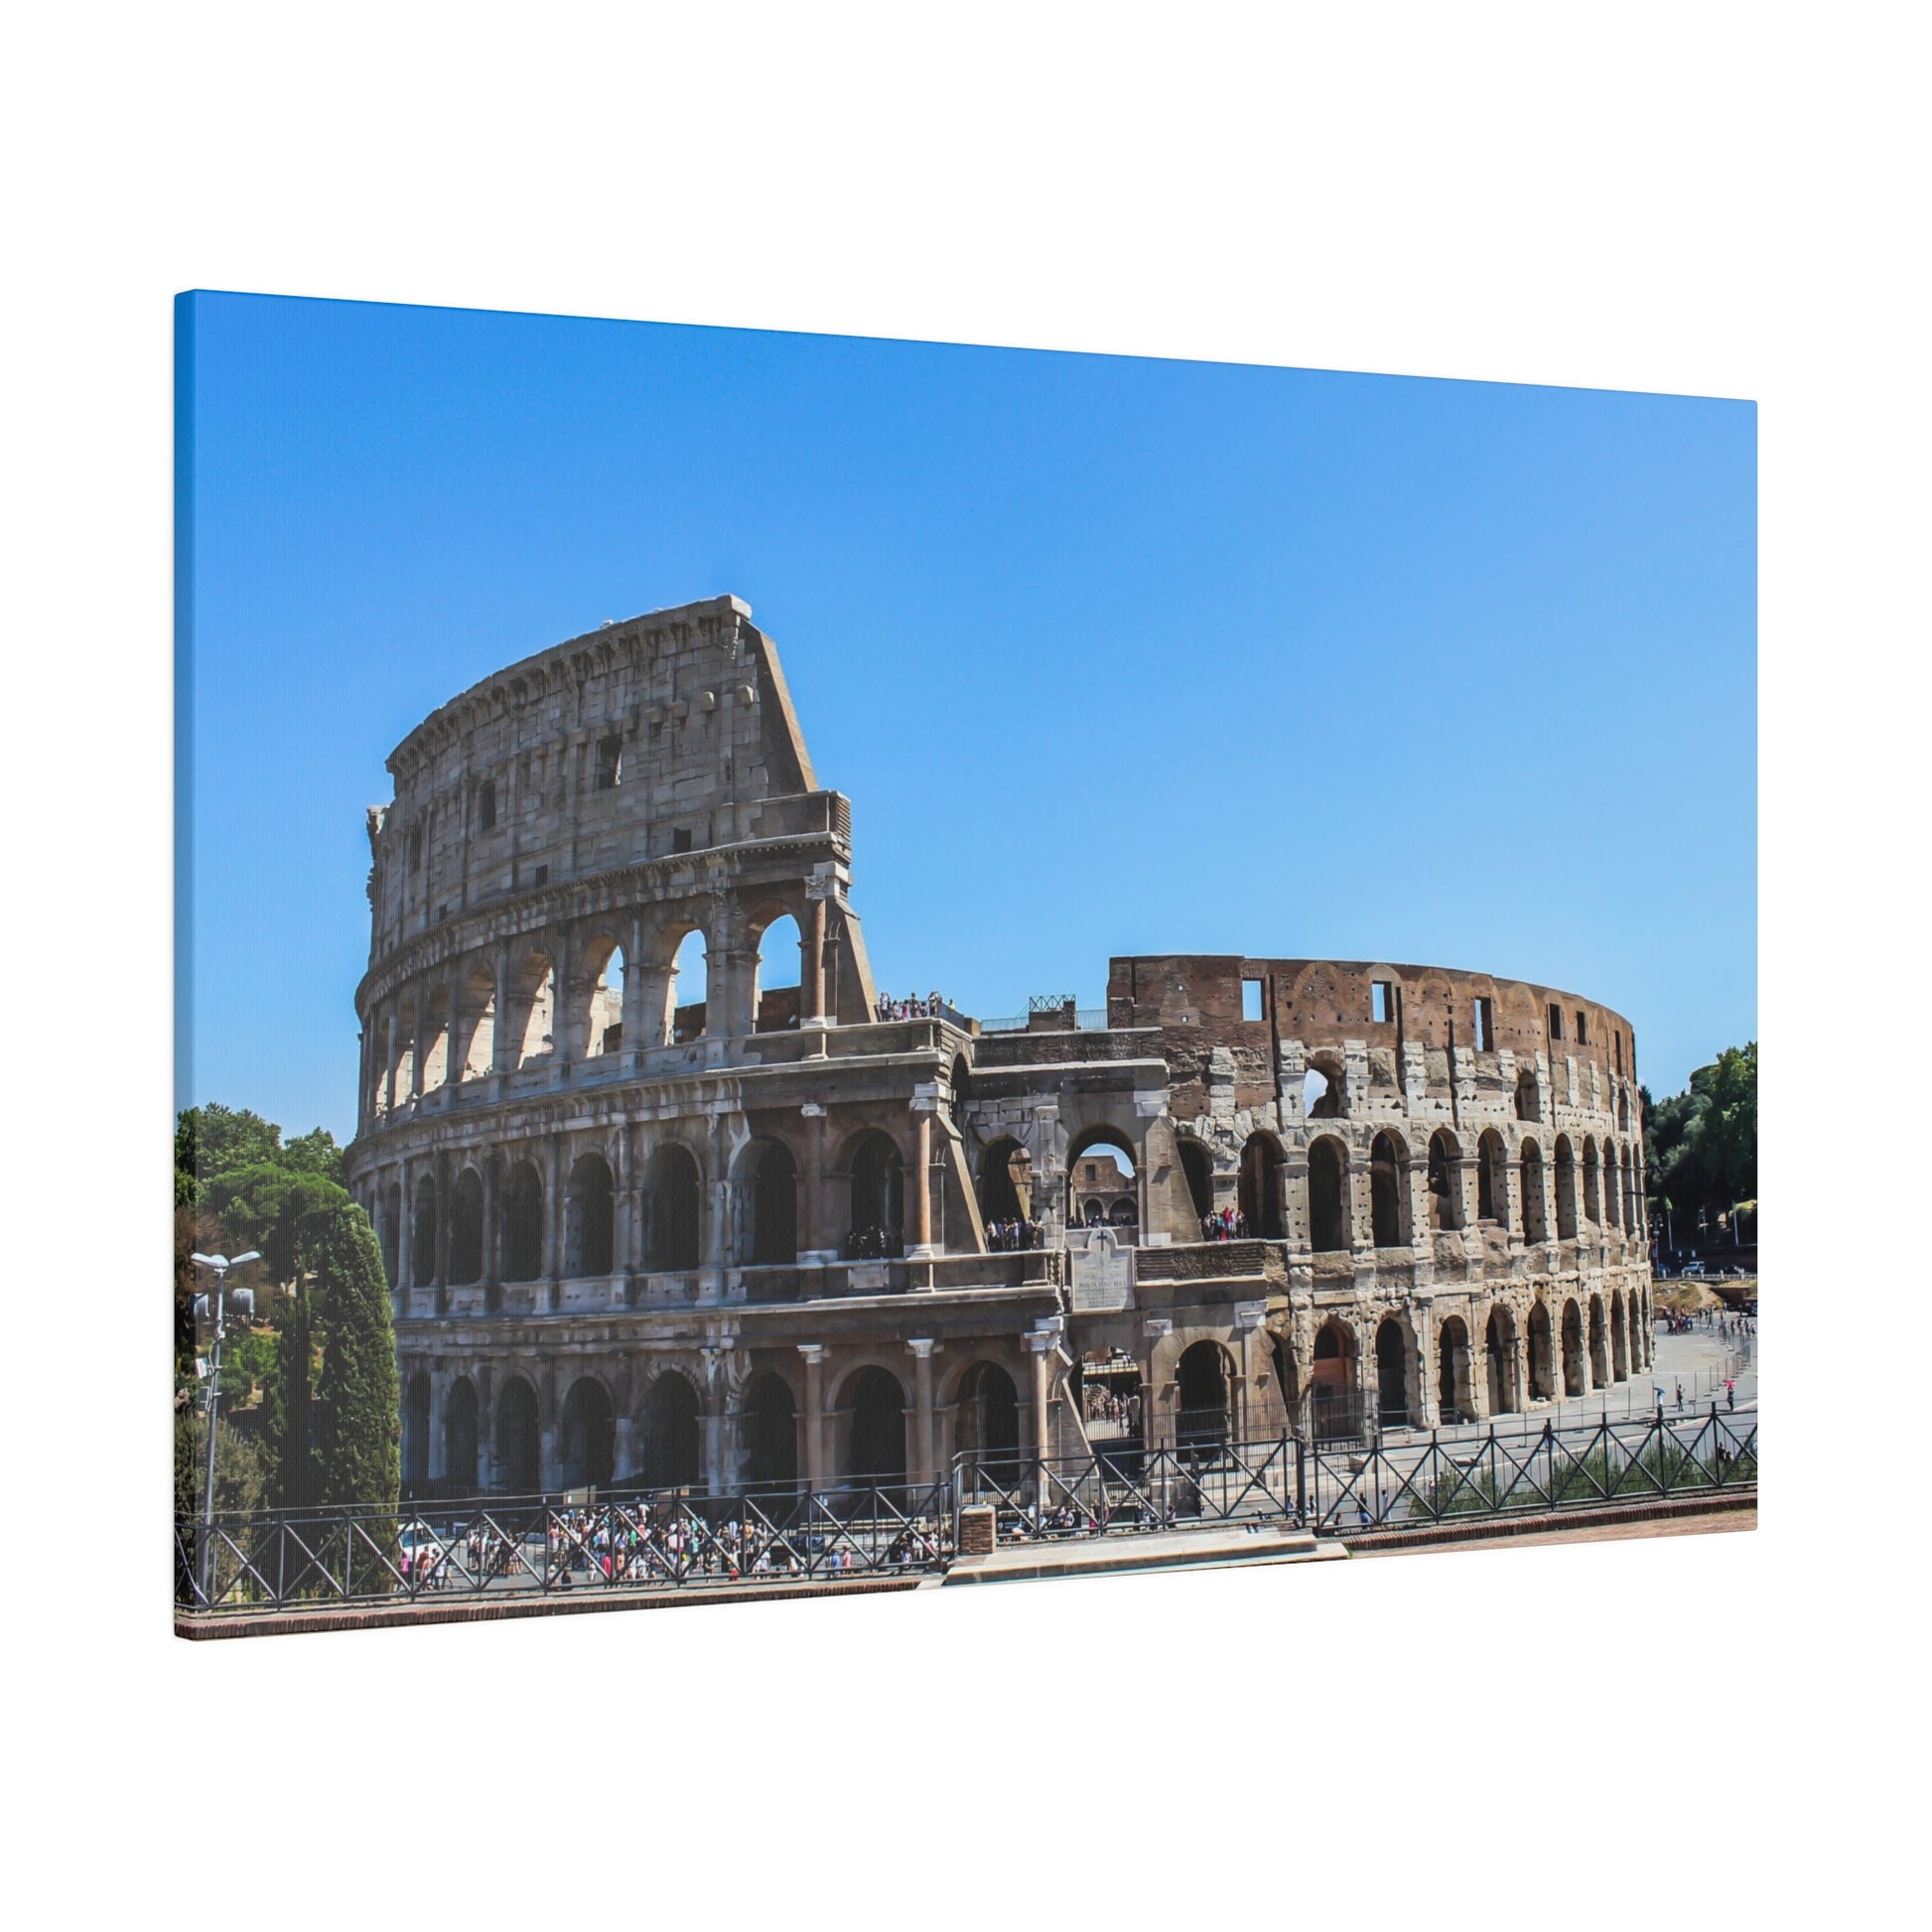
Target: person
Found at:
x=1731, y=1393
x=1679, y=1395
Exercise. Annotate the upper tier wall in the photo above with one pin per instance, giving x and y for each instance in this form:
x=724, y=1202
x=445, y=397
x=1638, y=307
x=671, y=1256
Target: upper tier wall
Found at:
x=1196, y=1000
x=640, y=740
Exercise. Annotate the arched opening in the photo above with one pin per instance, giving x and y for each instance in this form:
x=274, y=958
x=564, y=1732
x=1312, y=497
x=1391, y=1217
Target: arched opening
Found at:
x=768, y=1434
x=1612, y=1191
x=391, y=1231
x=1629, y=1194
x=436, y=1038
x=776, y=995
x=1530, y=1174
x=1592, y=1207
x=404, y=1081
x=1619, y=1352
x=1392, y=1374
x=1198, y=1169
x=1565, y=1190
x=1444, y=1192
x=1005, y=1182
x=985, y=1425
x=517, y=1445
x=476, y=1025
x=1201, y=1415
x=1492, y=1184
x=1573, y=1383
x=668, y=1451
x=1453, y=1387
x=589, y=1244
x=876, y=1438
x=467, y=1228
x=1336, y=1395
x=1624, y=1111
x=1124, y=1213
x=767, y=1205
x=672, y=1195
x=1324, y=1089
x=686, y=991
x=1099, y=1171
x=1499, y=1340
x=604, y=998
x=1328, y=1196
x=588, y=1450
x=460, y=1435
x=1529, y=1098
x=1599, y=1342
x=415, y=1436
x=1542, y=1371
x=533, y=1005
x=877, y=1223
x=422, y=1235
x=523, y=1223
x=1387, y=1196
x=1260, y=1194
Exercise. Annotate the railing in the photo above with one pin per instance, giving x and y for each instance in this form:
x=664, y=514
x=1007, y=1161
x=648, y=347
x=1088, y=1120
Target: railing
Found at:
x=1414, y=1487
x=500, y=1548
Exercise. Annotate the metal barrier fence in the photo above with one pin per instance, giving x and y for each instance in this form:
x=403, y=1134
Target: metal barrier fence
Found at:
x=496, y=1548
x=1124, y=1489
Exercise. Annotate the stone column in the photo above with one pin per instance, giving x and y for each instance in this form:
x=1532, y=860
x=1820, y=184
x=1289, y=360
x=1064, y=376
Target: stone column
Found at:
x=1154, y=1431
x=553, y=1220
x=1429, y=1406
x=815, y=962
x=405, y=1260
x=925, y=1469
x=817, y=1244
x=502, y=1049
x=922, y=1180
x=493, y=1246
x=623, y=1452
x=715, y=1475
x=439, y=1448
x=814, y=1355
x=441, y=1171
x=1039, y=1345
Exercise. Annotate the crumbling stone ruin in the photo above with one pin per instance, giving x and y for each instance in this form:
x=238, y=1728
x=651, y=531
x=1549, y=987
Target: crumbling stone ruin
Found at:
x=767, y=1237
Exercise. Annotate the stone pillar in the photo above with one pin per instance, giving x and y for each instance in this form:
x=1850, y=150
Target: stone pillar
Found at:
x=553, y=1219
x=922, y=1183
x=1039, y=1345
x=926, y=1469
x=1154, y=1434
x=622, y=1453
x=443, y=1205
x=502, y=1049
x=549, y=1468
x=405, y=1260
x=814, y=1355
x=439, y=1448
x=1426, y=1407
x=817, y=1244
x=419, y=998
x=815, y=963
x=715, y=1475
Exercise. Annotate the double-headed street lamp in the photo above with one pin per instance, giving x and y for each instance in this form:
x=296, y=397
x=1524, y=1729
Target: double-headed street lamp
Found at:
x=211, y=1311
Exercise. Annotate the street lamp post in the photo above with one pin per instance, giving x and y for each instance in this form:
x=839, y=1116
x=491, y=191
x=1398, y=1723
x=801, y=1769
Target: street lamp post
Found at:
x=244, y=1304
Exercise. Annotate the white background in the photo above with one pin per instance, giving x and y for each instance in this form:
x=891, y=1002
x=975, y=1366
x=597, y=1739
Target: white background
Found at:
x=1727, y=201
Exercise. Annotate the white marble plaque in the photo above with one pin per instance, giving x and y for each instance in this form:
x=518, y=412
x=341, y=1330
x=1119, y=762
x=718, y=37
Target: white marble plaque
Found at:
x=1103, y=1278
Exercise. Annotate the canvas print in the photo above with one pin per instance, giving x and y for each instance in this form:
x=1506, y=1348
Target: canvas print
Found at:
x=809, y=965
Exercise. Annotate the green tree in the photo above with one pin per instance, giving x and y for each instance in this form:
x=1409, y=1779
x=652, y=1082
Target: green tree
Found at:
x=288, y=1405
x=358, y=1430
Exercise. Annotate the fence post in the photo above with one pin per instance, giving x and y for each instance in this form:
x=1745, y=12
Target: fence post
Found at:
x=1302, y=1481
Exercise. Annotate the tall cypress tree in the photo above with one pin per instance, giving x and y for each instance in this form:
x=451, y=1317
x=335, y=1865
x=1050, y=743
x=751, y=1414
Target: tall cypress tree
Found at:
x=286, y=1408
x=359, y=1432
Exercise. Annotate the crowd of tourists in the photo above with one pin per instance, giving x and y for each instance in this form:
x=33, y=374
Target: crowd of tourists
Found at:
x=1230, y=1224
x=1709, y=1322
x=619, y=1545
x=932, y=1006
x=1008, y=1237
x=1104, y=1405
x=873, y=1244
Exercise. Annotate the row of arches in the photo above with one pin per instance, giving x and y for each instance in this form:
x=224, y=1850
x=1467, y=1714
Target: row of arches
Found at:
x=504, y=1450
x=503, y=1232
x=571, y=997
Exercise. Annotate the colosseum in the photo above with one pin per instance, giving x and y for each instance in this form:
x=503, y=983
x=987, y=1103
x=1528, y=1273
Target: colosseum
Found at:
x=786, y=1233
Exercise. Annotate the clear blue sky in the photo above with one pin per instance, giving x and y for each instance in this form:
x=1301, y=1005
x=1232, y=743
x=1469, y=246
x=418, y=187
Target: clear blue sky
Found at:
x=1111, y=655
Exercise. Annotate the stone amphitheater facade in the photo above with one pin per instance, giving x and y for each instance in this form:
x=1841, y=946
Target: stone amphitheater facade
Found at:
x=641, y=1241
